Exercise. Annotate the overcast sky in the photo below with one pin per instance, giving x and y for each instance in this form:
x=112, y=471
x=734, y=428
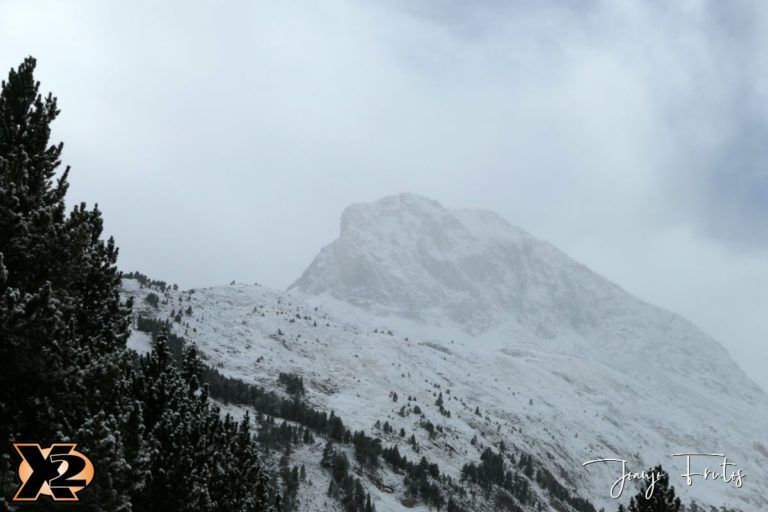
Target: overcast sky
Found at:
x=223, y=139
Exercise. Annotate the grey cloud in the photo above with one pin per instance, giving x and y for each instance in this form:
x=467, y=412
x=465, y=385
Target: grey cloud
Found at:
x=223, y=140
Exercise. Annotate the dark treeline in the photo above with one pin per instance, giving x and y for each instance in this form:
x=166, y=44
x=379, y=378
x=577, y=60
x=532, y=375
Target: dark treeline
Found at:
x=147, y=282
x=294, y=384
x=494, y=471
x=548, y=481
x=343, y=486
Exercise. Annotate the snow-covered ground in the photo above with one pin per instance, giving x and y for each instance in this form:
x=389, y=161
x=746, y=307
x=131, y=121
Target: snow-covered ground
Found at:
x=419, y=300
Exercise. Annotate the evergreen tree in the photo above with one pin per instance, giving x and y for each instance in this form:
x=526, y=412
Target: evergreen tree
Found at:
x=63, y=327
x=201, y=461
x=662, y=500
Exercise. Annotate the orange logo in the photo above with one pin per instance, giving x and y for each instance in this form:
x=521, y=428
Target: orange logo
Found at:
x=59, y=471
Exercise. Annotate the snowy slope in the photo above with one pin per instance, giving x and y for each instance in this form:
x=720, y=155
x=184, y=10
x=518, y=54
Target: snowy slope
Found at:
x=418, y=299
x=409, y=256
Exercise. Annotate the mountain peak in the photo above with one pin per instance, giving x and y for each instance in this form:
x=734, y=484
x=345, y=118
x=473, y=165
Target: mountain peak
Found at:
x=410, y=256
x=408, y=211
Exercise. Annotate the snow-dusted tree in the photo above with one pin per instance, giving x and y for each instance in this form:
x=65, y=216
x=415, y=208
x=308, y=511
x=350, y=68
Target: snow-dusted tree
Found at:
x=201, y=461
x=62, y=325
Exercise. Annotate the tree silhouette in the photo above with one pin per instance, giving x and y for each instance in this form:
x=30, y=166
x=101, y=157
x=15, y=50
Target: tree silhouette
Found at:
x=661, y=499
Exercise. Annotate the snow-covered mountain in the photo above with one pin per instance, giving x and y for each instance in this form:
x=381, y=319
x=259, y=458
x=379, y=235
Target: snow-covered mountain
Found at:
x=417, y=299
x=409, y=256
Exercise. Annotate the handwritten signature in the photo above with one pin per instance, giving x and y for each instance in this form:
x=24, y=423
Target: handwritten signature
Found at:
x=727, y=473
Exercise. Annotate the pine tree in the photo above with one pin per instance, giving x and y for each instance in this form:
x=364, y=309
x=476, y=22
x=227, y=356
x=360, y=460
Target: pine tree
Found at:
x=63, y=327
x=328, y=453
x=201, y=460
x=663, y=498
x=192, y=368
